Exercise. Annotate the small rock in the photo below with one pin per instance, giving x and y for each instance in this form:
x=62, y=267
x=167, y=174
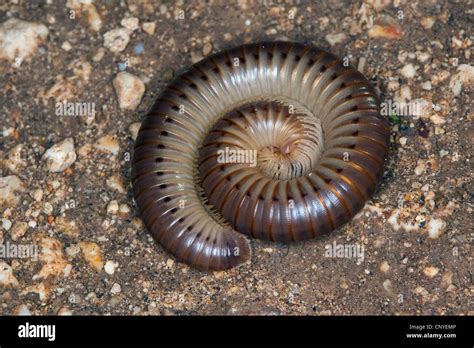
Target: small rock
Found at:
x=38, y=195
x=447, y=279
x=170, y=263
x=149, y=27
x=109, y=267
x=435, y=227
x=66, y=46
x=129, y=89
x=93, y=17
x=426, y=85
x=116, y=289
x=335, y=39
x=22, y=310
x=9, y=185
x=207, y=49
x=7, y=279
x=60, y=156
x=117, y=39
x=6, y=224
x=408, y=71
x=65, y=311
x=52, y=256
x=115, y=182
x=430, y=271
x=124, y=209
x=18, y=230
x=427, y=22
x=133, y=129
x=403, y=141
x=97, y=57
x=108, y=143
x=421, y=166
x=92, y=254
x=113, y=207
x=384, y=267
x=20, y=39
x=14, y=162
x=464, y=76
x=390, y=31
x=131, y=23
x=68, y=227
x=387, y=285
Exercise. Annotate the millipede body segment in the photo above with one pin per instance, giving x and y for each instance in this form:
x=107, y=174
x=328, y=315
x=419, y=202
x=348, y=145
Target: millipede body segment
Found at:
x=277, y=141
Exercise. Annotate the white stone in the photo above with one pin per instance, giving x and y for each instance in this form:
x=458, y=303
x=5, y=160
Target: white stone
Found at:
x=117, y=39
x=335, y=39
x=129, y=89
x=435, y=228
x=149, y=27
x=60, y=156
x=108, y=143
x=131, y=23
x=9, y=185
x=113, y=207
x=464, y=76
x=6, y=224
x=109, y=267
x=133, y=129
x=116, y=289
x=431, y=271
x=20, y=39
x=6, y=275
x=408, y=71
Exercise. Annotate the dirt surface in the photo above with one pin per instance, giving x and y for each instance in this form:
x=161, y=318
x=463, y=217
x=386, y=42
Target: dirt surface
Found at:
x=94, y=255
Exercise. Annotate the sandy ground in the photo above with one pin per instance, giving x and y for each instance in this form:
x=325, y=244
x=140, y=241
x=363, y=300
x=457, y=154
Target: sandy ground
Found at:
x=74, y=204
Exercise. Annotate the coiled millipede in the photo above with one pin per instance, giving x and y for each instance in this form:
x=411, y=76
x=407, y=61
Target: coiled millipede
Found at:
x=278, y=141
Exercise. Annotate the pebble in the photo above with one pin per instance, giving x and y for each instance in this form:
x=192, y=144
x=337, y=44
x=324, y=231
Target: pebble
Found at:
x=113, y=207
x=426, y=85
x=131, y=23
x=436, y=227
x=391, y=32
x=464, y=76
x=403, y=141
x=116, y=40
x=22, y=310
x=408, y=71
x=115, y=182
x=110, y=266
x=18, y=230
x=92, y=254
x=427, y=22
x=20, y=39
x=108, y=143
x=7, y=278
x=66, y=226
x=133, y=129
x=14, y=162
x=170, y=263
x=116, y=289
x=430, y=271
x=124, y=209
x=60, y=156
x=149, y=27
x=129, y=90
x=52, y=256
x=387, y=285
x=66, y=46
x=9, y=186
x=37, y=195
x=6, y=224
x=384, y=267
x=336, y=39
x=207, y=49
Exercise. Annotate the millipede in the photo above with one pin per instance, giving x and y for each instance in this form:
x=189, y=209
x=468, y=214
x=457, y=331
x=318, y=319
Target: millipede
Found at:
x=278, y=141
